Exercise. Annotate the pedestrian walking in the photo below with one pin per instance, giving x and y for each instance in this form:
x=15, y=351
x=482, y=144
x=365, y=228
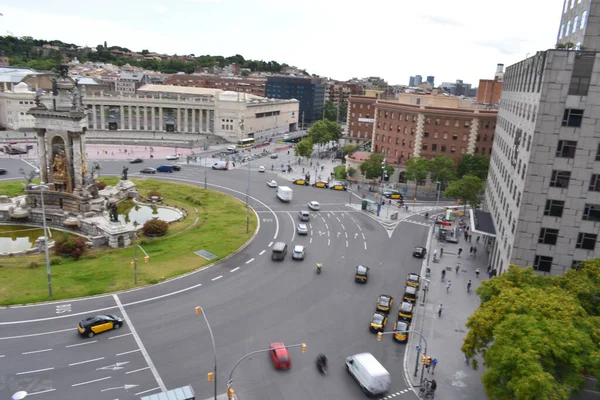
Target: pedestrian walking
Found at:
x=471, y=250
x=477, y=240
x=477, y=272
x=434, y=254
x=466, y=235
x=474, y=251
x=456, y=269
x=448, y=286
x=459, y=251
x=470, y=238
x=440, y=308
x=433, y=364
x=443, y=275
x=441, y=252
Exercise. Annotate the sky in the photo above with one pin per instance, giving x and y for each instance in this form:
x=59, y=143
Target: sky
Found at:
x=339, y=39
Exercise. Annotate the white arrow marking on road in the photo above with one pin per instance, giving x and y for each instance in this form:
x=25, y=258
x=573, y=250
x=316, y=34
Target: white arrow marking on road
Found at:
x=321, y=233
x=355, y=235
x=114, y=366
x=346, y=233
x=126, y=387
x=338, y=234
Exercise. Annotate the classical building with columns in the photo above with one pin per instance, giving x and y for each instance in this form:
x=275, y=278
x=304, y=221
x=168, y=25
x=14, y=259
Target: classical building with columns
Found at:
x=191, y=110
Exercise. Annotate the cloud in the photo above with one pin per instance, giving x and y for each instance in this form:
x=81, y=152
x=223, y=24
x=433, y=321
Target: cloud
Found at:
x=160, y=9
x=441, y=20
x=506, y=46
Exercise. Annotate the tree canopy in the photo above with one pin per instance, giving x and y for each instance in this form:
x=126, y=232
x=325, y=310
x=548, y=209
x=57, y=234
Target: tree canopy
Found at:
x=330, y=111
x=538, y=335
x=324, y=131
x=473, y=164
x=304, y=148
x=372, y=167
x=417, y=169
x=442, y=169
x=468, y=189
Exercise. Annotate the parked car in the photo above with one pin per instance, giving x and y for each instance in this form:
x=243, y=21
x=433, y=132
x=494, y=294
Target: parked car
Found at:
x=321, y=185
x=401, y=329
x=148, y=171
x=136, y=161
x=173, y=157
x=302, y=182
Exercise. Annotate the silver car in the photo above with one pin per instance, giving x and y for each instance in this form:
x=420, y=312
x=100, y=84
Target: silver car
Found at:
x=302, y=229
x=298, y=253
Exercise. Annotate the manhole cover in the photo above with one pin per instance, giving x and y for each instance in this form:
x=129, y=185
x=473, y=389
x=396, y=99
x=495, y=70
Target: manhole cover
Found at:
x=205, y=254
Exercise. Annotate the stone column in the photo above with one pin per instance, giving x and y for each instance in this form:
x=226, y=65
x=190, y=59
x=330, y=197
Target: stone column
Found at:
x=145, y=118
x=94, y=118
x=41, y=142
x=161, y=124
x=201, y=121
x=102, y=117
x=122, y=114
x=178, y=119
x=193, y=110
x=130, y=124
x=77, y=163
x=153, y=116
x=137, y=118
x=185, y=120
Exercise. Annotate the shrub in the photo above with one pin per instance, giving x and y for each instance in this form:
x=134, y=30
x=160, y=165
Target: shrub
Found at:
x=101, y=185
x=56, y=261
x=194, y=200
x=33, y=265
x=70, y=246
x=155, y=227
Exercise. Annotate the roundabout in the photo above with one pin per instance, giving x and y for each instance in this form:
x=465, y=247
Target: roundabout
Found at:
x=249, y=300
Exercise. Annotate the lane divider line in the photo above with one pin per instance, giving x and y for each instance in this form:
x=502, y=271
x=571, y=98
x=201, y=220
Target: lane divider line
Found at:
x=365, y=245
x=41, y=392
x=81, y=344
x=261, y=253
x=128, y=352
x=36, y=351
x=146, y=391
x=249, y=261
x=235, y=269
x=346, y=243
x=293, y=225
x=118, y=336
x=95, y=380
x=343, y=227
x=137, y=370
x=36, y=334
x=157, y=377
x=270, y=244
x=86, y=361
x=216, y=278
x=34, y=371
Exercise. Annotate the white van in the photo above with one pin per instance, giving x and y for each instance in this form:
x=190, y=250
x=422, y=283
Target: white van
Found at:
x=372, y=377
x=221, y=165
x=232, y=149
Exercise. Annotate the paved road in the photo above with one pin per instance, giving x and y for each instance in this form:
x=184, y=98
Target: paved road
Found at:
x=249, y=299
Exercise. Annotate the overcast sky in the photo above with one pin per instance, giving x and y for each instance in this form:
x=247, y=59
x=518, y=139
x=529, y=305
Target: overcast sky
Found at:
x=341, y=39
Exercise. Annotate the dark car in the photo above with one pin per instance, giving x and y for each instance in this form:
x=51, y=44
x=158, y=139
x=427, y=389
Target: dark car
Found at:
x=2, y=171
x=175, y=167
x=165, y=168
x=136, y=161
x=98, y=324
x=148, y=171
x=362, y=274
x=419, y=252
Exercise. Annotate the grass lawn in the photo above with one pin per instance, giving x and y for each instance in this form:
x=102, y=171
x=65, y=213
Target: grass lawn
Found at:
x=220, y=229
x=340, y=172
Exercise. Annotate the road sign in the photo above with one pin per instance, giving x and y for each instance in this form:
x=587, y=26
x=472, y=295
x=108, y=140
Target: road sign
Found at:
x=418, y=348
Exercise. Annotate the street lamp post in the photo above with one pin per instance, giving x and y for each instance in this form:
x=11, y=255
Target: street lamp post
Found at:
x=439, y=187
x=383, y=174
x=248, y=187
x=380, y=335
x=43, y=187
x=230, y=391
x=146, y=259
x=199, y=310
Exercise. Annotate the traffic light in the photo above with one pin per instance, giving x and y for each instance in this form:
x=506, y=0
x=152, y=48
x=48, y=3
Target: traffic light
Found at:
x=304, y=347
x=198, y=310
x=132, y=264
x=210, y=377
x=379, y=336
x=423, y=360
x=230, y=392
x=147, y=259
x=428, y=362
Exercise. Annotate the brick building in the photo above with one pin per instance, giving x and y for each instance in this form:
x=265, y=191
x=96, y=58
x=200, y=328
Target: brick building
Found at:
x=489, y=90
x=418, y=127
x=254, y=86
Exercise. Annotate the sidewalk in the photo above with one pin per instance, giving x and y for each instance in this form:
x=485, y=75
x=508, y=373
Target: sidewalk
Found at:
x=444, y=335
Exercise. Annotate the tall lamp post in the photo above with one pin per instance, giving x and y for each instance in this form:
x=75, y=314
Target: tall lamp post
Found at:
x=248, y=187
x=439, y=188
x=43, y=187
x=134, y=262
x=199, y=311
x=383, y=175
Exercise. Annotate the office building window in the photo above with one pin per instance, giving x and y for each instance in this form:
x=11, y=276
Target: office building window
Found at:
x=591, y=212
x=548, y=236
x=595, y=183
x=575, y=23
x=566, y=148
x=583, y=20
x=586, y=241
x=426, y=134
x=560, y=179
x=598, y=153
x=582, y=74
x=572, y=117
x=542, y=263
x=434, y=147
x=554, y=208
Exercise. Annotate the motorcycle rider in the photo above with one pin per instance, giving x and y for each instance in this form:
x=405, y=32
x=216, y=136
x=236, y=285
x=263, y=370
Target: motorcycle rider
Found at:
x=469, y=285
x=322, y=362
x=319, y=265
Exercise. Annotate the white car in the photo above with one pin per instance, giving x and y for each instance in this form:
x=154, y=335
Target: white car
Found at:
x=272, y=183
x=298, y=253
x=261, y=168
x=314, y=205
x=302, y=229
x=173, y=157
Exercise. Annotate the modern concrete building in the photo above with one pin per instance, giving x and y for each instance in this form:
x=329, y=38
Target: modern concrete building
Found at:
x=309, y=92
x=431, y=80
x=574, y=25
x=254, y=86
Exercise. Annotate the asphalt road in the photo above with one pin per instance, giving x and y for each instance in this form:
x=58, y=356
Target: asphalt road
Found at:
x=249, y=300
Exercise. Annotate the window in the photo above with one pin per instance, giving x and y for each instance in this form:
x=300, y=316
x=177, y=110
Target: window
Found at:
x=454, y=136
x=595, y=183
x=542, y=263
x=434, y=147
x=598, y=153
x=437, y=121
x=445, y=136
x=575, y=22
x=560, y=33
x=566, y=148
x=576, y=264
x=548, y=236
x=414, y=118
x=452, y=149
x=568, y=28
x=424, y=147
x=554, y=208
x=583, y=20
x=426, y=134
x=560, y=179
x=591, y=212
x=582, y=74
x=586, y=241
x=436, y=135
x=464, y=139
x=428, y=121
x=444, y=148
x=572, y=117
x=397, y=140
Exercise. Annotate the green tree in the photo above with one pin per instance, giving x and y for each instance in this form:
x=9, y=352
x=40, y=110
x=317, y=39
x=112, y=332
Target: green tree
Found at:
x=467, y=189
x=473, y=164
x=144, y=52
x=330, y=111
x=344, y=112
x=535, y=335
x=324, y=131
x=442, y=169
x=417, y=169
x=351, y=171
x=372, y=167
x=349, y=149
x=304, y=148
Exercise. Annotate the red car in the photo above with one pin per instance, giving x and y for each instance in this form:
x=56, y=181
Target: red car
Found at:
x=280, y=356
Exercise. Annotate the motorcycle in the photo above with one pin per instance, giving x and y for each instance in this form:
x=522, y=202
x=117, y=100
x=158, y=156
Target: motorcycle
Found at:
x=322, y=364
x=319, y=268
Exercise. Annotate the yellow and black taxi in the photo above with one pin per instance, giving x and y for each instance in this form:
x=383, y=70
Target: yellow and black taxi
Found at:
x=378, y=321
x=302, y=182
x=401, y=331
x=362, y=274
x=384, y=303
x=410, y=294
x=413, y=279
x=338, y=186
x=406, y=311
x=392, y=194
x=98, y=324
x=419, y=252
x=321, y=185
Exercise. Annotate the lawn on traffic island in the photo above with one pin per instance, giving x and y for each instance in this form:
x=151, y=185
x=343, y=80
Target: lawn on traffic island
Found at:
x=215, y=223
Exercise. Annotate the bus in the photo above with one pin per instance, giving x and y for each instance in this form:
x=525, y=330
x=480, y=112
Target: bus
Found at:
x=246, y=142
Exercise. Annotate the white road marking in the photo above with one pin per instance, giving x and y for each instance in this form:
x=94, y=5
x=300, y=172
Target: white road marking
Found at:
x=216, y=278
x=36, y=351
x=35, y=334
x=346, y=233
x=128, y=352
x=294, y=225
x=328, y=234
x=40, y=392
x=363, y=235
x=344, y=228
x=160, y=382
x=261, y=253
x=310, y=241
x=81, y=344
x=326, y=226
x=338, y=220
x=95, y=380
x=270, y=244
x=34, y=371
x=249, y=261
x=146, y=391
x=346, y=243
x=137, y=370
x=328, y=242
x=365, y=245
x=359, y=228
x=2, y=356
x=235, y=269
x=118, y=336
x=86, y=361
x=323, y=220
